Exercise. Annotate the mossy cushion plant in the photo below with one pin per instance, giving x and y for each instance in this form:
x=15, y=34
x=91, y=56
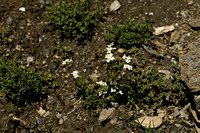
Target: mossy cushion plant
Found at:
x=129, y=34
x=74, y=19
x=21, y=85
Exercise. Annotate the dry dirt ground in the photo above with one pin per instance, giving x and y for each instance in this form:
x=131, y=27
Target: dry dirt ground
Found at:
x=32, y=37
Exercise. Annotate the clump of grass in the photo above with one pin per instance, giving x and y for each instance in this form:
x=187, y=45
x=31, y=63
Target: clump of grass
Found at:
x=129, y=34
x=4, y=36
x=75, y=19
x=21, y=85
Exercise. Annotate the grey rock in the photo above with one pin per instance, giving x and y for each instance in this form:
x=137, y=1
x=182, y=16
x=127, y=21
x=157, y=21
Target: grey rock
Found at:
x=38, y=121
x=195, y=23
x=190, y=67
x=51, y=100
x=119, y=125
x=106, y=114
x=175, y=36
x=9, y=20
x=176, y=113
x=30, y=59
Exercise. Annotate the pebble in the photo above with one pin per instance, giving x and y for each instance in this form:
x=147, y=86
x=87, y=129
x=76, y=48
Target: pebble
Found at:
x=38, y=121
x=51, y=100
x=9, y=20
x=106, y=114
x=23, y=9
x=61, y=121
x=30, y=59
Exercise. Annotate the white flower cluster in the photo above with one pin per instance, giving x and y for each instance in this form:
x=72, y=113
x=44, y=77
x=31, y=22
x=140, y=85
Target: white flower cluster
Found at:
x=102, y=92
x=129, y=67
x=109, y=56
x=101, y=83
x=67, y=61
x=114, y=90
x=127, y=59
x=75, y=74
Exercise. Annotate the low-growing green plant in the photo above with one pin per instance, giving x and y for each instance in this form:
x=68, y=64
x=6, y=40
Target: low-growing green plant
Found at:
x=74, y=19
x=129, y=34
x=64, y=51
x=126, y=82
x=4, y=36
x=21, y=85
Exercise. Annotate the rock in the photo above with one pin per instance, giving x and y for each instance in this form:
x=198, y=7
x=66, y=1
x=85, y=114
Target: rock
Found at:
x=113, y=121
x=106, y=114
x=93, y=76
x=190, y=67
x=41, y=111
x=115, y=6
x=150, y=121
x=121, y=50
x=154, y=52
x=51, y=100
x=176, y=113
x=30, y=59
x=178, y=125
x=167, y=74
x=61, y=121
x=119, y=125
x=195, y=23
x=190, y=2
x=164, y=29
x=23, y=9
x=183, y=115
x=9, y=20
x=174, y=36
x=38, y=121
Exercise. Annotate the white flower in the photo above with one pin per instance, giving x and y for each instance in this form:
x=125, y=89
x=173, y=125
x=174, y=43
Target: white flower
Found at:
x=113, y=90
x=109, y=57
x=67, y=61
x=100, y=93
x=105, y=92
x=75, y=74
x=101, y=83
x=84, y=70
x=126, y=58
x=126, y=66
x=120, y=92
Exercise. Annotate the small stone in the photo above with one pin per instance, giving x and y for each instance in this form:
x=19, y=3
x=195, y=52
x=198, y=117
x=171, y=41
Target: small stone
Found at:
x=106, y=114
x=30, y=59
x=93, y=76
x=176, y=113
x=121, y=50
x=23, y=9
x=178, y=125
x=164, y=29
x=9, y=20
x=174, y=36
x=41, y=111
x=113, y=121
x=115, y=6
x=61, y=121
x=195, y=23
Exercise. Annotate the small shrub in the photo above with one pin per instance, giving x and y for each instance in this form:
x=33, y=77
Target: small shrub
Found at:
x=129, y=34
x=64, y=51
x=22, y=85
x=74, y=19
